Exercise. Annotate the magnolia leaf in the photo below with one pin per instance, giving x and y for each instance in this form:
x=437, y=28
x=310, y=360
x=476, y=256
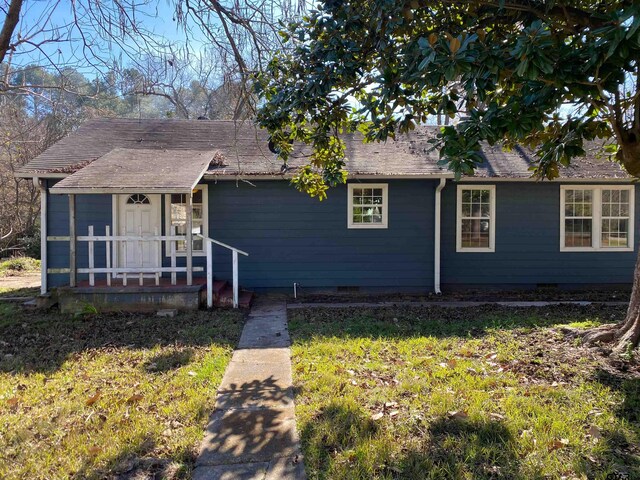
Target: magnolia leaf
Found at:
x=454, y=45
x=558, y=444
x=94, y=450
x=135, y=398
x=458, y=415
x=94, y=398
x=595, y=432
x=433, y=38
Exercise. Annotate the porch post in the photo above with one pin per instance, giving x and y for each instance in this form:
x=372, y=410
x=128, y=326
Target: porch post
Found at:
x=190, y=238
x=43, y=235
x=72, y=240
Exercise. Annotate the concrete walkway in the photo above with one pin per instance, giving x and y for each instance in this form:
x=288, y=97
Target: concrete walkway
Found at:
x=252, y=432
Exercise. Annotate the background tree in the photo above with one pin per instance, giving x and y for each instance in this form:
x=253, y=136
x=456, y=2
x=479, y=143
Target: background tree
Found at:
x=63, y=62
x=549, y=75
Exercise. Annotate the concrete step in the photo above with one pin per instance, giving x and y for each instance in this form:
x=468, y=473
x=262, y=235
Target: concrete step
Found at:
x=225, y=298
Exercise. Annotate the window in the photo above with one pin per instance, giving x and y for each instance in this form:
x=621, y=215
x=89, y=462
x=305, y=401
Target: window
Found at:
x=476, y=223
x=138, y=199
x=368, y=205
x=596, y=218
x=176, y=215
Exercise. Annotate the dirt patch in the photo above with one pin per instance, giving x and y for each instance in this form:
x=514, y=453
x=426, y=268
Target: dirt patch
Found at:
x=541, y=294
x=29, y=280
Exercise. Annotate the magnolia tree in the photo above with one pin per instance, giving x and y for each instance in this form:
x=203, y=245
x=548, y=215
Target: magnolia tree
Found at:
x=549, y=75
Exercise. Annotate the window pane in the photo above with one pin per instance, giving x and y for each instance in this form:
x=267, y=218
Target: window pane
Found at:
x=615, y=232
x=577, y=232
x=197, y=196
x=624, y=196
x=178, y=214
x=475, y=233
x=466, y=196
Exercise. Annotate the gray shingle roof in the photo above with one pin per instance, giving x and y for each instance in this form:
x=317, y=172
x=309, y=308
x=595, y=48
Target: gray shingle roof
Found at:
x=241, y=149
x=126, y=170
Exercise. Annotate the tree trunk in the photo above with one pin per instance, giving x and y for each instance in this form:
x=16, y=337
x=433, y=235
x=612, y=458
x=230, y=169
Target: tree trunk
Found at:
x=628, y=334
x=625, y=335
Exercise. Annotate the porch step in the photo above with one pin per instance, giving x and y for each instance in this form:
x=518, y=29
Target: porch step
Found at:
x=223, y=295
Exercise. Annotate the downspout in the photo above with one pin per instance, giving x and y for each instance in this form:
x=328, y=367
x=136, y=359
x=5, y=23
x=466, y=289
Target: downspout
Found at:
x=436, y=246
x=43, y=233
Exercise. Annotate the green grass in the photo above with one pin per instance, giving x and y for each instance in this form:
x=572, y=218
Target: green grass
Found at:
x=481, y=393
x=108, y=395
x=19, y=291
x=18, y=266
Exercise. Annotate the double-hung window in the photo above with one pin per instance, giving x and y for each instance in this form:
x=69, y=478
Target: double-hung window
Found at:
x=176, y=215
x=596, y=217
x=368, y=205
x=476, y=222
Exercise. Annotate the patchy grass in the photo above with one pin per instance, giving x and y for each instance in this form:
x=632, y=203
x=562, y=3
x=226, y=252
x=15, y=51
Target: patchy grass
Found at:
x=106, y=396
x=482, y=393
x=19, y=291
x=19, y=266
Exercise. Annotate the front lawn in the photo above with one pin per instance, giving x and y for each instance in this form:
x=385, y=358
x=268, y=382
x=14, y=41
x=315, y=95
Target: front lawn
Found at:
x=108, y=396
x=473, y=393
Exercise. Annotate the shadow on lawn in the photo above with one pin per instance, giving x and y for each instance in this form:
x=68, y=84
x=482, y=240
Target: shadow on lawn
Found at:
x=406, y=322
x=622, y=453
x=41, y=342
x=340, y=440
x=134, y=463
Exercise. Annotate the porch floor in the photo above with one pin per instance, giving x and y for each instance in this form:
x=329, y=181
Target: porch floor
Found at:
x=133, y=281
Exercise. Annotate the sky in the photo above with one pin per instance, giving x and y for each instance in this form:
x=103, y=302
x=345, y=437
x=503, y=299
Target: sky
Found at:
x=42, y=20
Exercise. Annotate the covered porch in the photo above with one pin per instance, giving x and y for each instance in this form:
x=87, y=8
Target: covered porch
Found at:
x=139, y=261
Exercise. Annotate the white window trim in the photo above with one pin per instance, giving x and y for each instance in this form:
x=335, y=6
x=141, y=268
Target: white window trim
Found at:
x=205, y=221
x=385, y=205
x=597, y=218
x=492, y=223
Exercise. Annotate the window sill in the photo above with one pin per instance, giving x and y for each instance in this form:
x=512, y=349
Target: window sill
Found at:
x=475, y=250
x=594, y=249
x=366, y=226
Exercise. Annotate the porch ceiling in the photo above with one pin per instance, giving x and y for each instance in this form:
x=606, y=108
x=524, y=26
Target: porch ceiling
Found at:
x=125, y=170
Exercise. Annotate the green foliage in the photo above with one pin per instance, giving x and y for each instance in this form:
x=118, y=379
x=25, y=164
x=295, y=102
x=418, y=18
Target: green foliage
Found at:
x=17, y=265
x=545, y=75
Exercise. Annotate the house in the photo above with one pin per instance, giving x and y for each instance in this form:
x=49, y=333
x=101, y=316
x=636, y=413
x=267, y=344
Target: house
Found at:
x=117, y=195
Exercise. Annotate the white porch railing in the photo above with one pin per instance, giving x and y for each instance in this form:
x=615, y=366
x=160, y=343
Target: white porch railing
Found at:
x=115, y=240
x=234, y=257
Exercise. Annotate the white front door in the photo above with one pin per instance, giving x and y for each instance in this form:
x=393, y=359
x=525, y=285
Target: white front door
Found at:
x=138, y=214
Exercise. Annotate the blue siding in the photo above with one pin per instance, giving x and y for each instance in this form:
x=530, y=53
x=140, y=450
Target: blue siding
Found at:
x=293, y=238
x=90, y=210
x=527, y=246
